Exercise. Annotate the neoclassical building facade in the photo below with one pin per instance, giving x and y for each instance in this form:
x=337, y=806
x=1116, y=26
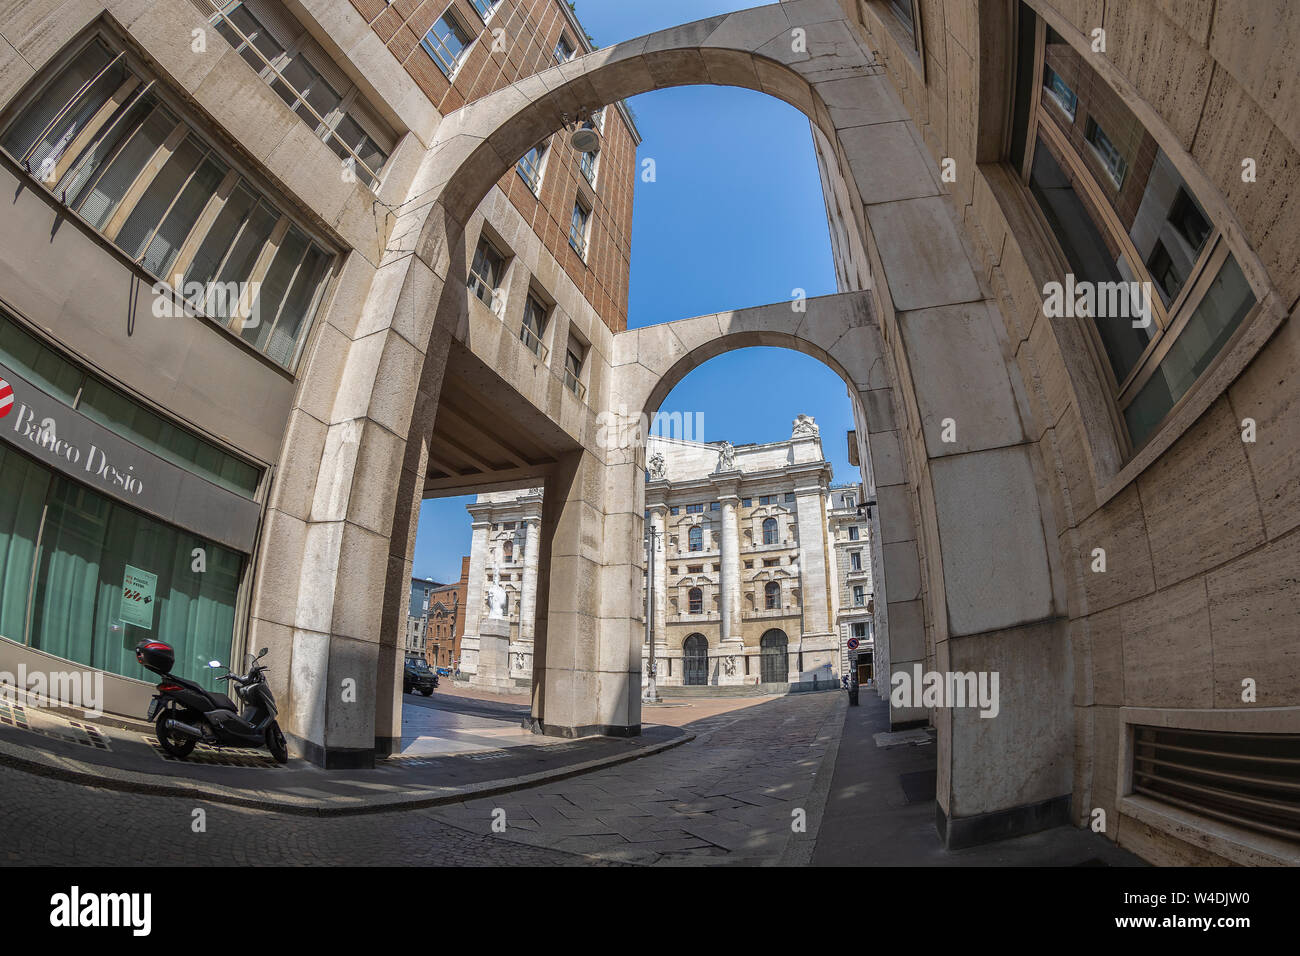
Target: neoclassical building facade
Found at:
x=848, y=517
x=739, y=566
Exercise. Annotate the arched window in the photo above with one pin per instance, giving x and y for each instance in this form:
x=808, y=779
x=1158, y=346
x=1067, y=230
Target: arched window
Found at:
x=696, y=597
x=508, y=552
x=769, y=531
x=772, y=593
x=697, y=539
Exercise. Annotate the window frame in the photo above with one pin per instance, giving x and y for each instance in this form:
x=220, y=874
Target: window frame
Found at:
x=534, y=182
x=463, y=35
x=581, y=244
x=185, y=129
x=1170, y=318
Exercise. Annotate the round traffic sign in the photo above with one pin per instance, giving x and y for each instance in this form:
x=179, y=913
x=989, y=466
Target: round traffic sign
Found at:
x=6, y=398
x=853, y=643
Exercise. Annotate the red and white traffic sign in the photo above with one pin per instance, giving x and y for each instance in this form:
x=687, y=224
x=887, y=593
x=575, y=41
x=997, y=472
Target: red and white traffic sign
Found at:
x=6, y=398
x=853, y=643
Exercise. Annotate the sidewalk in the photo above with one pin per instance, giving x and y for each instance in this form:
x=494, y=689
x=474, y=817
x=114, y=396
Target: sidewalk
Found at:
x=453, y=749
x=881, y=808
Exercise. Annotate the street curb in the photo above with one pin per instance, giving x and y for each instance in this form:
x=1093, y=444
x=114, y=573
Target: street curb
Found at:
x=800, y=852
x=126, y=781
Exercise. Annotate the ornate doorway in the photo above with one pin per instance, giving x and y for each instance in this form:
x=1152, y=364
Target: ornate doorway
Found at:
x=695, y=660
x=776, y=659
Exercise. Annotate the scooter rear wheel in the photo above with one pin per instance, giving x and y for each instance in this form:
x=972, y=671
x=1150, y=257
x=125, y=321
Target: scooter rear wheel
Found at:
x=275, y=743
x=178, y=745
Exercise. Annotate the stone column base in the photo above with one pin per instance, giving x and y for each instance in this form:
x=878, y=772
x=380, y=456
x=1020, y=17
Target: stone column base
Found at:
x=493, y=670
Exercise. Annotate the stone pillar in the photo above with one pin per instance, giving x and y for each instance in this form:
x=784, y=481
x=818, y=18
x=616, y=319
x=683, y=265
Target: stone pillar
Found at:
x=731, y=644
x=659, y=521
x=528, y=593
x=814, y=578
x=478, y=557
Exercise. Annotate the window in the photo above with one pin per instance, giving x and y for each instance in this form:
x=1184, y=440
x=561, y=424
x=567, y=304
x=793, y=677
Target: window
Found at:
x=508, y=552
x=767, y=500
x=695, y=569
x=563, y=50
x=578, y=228
x=903, y=10
x=446, y=42
x=747, y=503
x=771, y=562
x=695, y=598
x=1110, y=156
x=674, y=510
x=573, y=369
x=770, y=533
x=859, y=630
x=485, y=8
x=534, y=325
x=485, y=272
x=715, y=506
x=530, y=167
x=587, y=162
x=1124, y=220
x=295, y=66
x=695, y=509
x=859, y=596
x=850, y=501
x=696, y=538
x=789, y=497
x=772, y=595
x=101, y=137
x=1061, y=94
x=855, y=560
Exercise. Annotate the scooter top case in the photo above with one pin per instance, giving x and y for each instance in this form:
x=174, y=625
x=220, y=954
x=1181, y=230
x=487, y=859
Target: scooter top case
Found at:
x=155, y=656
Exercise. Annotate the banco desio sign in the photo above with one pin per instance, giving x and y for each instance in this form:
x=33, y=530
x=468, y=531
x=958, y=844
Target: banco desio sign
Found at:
x=6, y=398
x=32, y=424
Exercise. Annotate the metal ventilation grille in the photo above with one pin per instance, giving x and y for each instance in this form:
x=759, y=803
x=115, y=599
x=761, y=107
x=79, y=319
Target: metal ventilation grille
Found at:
x=1252, y=780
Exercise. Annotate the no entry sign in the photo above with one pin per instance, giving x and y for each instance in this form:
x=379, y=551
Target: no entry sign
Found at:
x=6, y=398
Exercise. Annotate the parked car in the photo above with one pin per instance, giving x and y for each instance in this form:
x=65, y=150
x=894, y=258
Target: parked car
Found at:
x=416, y=675
x=444, y=671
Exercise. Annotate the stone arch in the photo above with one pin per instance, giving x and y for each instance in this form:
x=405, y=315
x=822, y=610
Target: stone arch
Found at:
x=925, y=337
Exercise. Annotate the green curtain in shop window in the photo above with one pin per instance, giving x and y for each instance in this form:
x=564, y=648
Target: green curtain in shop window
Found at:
x=23, y=486
x=88, y=543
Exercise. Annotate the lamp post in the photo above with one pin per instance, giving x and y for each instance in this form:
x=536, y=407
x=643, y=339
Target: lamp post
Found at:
x=651, y=545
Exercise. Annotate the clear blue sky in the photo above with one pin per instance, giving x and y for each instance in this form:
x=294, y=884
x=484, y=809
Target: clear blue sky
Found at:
x=735, y=218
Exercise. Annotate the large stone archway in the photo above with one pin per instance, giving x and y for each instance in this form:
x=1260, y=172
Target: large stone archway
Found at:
x=965, y=541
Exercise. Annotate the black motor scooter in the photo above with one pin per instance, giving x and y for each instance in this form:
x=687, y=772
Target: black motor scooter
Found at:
x=185, y=713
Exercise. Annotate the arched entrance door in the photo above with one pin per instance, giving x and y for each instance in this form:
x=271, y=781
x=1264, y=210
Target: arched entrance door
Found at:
x=776, y=659
x=695, y=660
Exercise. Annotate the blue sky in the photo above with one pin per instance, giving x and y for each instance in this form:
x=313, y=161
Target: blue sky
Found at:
x=735, y=218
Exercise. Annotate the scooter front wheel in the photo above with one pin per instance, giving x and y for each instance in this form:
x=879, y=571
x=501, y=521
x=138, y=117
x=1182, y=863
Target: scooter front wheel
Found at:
x=177, y=744
x=275, y=743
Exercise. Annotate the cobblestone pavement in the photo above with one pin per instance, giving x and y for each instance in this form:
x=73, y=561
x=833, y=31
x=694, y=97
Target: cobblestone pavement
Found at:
x=729, y=797
x=724, y=798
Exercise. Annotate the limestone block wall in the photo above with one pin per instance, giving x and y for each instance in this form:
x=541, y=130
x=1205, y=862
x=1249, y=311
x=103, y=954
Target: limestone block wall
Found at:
x=1198, y=526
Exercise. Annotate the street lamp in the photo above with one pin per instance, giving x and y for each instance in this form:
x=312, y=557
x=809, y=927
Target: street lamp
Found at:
x=651, y=545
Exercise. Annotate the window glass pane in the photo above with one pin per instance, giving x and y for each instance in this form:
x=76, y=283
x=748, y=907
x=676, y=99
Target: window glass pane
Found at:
x=164, y=188
x=349, y=131
x=40, y=365
x=1091, y=254
x=251, y=28
x=298, y=307
x=274, y=288
x=91, y=163
x=1170, y=229
x=87, y=543
x=166, y=243
x=23, y=488
x=1225, y=304
x=25, y=132
x=101, y=200
x=903, y=10
x=445, y=42
x=217, y=242
x=238, y=268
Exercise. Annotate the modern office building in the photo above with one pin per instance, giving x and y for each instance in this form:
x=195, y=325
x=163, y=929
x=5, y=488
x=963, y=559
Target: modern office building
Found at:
x=214, y=185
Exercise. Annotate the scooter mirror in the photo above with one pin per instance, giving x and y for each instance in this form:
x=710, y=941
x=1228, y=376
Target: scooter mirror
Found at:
x=262, y=652
x=215, y=664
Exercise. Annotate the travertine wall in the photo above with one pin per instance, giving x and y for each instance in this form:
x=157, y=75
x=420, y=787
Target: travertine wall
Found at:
x=1199, y=527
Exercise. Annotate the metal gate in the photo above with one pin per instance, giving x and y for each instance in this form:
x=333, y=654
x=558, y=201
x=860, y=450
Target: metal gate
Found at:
x=776, y=659
x=695, y=659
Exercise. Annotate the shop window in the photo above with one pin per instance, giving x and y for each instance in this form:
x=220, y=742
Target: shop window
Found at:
x=1168, y=292
x=100, y=136
x=64, y=598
